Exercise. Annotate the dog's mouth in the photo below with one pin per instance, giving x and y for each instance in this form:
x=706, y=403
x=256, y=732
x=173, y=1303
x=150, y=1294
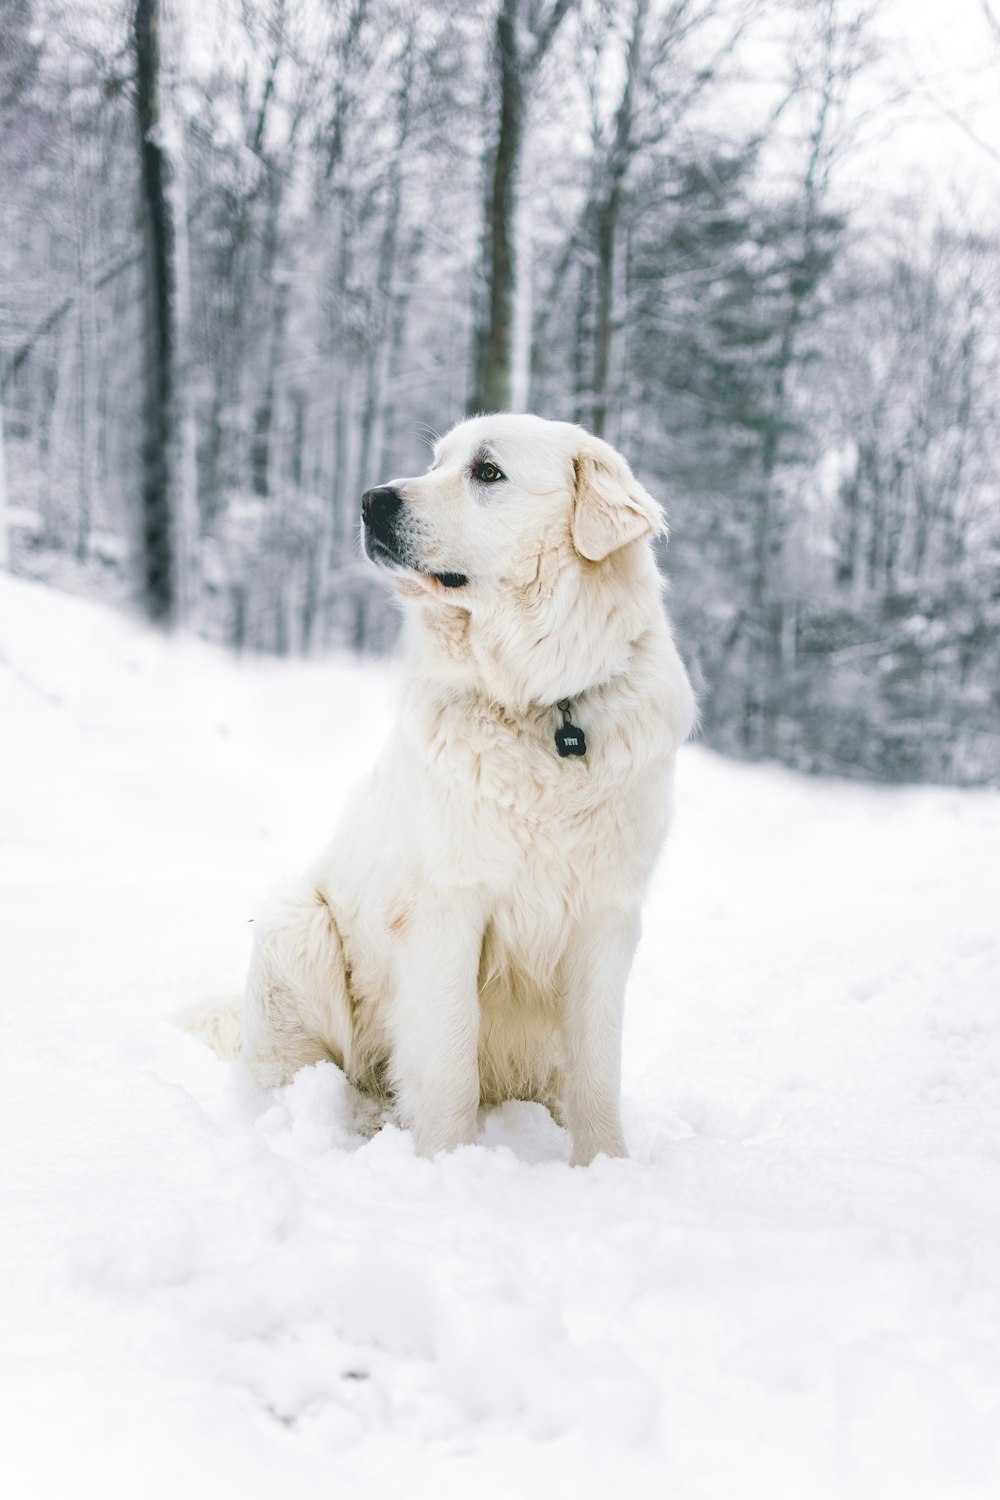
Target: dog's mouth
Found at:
x=385, y=556
x=381, y=553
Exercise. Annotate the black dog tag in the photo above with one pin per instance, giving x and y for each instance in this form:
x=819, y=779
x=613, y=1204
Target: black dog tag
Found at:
x=570, y=740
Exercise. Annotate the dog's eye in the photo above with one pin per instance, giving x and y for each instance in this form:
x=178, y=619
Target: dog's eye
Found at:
x=487, y=473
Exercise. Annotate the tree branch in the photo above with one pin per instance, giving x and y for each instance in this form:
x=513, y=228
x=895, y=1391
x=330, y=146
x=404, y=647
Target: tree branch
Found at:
x=56, y=314
x=545, y=36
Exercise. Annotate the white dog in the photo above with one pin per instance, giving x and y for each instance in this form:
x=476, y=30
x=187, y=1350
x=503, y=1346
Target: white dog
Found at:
x=468, y=935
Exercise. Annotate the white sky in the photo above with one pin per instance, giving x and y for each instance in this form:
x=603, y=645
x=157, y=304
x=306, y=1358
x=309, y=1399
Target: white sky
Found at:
x=943, y=52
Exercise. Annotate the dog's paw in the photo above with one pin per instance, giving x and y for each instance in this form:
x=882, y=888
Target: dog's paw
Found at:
x=584, y=1151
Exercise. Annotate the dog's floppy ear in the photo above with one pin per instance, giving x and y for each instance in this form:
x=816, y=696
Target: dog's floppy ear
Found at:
x=610, y=507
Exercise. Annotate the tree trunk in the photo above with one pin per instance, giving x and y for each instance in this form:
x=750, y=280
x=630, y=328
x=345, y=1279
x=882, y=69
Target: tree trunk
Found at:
x=379, y=353
x=847, y=560
x=520, y=360
x=495, y=344
x=86, y=328
x=262, y=441
x=607, y=223
x=608, y=214
x=159, y=562
x=386, y=432
x=277, y=284
x=4, y=532
x=185, y=457
x=582, y=386
x=340, y=529
x=766, y=587
x=492, y=385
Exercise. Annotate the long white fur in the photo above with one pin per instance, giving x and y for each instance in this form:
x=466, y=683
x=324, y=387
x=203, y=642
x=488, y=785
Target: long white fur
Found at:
x=467, y=936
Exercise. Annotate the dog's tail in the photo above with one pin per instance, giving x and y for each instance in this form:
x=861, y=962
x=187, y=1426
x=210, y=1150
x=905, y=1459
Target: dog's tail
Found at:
x=218, y=1023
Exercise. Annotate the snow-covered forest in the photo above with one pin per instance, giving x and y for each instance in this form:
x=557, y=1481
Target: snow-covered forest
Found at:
x=253, y=252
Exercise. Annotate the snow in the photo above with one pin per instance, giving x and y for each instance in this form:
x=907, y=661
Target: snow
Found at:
x=792, y=1289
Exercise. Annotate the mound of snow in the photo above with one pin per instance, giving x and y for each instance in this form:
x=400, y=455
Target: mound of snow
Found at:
x=790, y=1290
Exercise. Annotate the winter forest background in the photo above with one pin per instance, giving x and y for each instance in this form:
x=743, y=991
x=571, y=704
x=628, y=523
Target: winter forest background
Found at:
x=253, y=254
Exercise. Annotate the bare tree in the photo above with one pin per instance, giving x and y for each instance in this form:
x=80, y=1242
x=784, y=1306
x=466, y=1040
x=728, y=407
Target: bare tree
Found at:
x=607, y=212
x=519, y=58
x=160, y=438
x=670, y=57
x=770, y=619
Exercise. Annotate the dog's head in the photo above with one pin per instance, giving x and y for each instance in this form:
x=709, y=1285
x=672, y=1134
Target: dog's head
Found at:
x=517, y=522
x=501, y=490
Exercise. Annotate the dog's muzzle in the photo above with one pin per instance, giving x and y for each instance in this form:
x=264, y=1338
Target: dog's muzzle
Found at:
x=380, y=512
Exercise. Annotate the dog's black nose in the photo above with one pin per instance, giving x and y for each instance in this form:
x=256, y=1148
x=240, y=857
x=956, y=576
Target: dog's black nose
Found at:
x=378, y=506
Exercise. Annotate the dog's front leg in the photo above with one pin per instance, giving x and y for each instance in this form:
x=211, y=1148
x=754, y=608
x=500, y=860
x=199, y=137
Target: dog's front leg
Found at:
x=595, y=971
x=434, y=1020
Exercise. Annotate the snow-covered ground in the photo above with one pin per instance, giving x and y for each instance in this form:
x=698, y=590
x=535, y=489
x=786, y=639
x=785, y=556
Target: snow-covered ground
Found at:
x=792, y=1289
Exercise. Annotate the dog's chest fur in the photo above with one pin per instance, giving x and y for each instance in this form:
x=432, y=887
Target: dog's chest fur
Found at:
x=532, y=827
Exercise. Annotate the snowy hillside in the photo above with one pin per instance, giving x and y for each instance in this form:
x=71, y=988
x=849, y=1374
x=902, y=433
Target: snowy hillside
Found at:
x=792, y=1289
